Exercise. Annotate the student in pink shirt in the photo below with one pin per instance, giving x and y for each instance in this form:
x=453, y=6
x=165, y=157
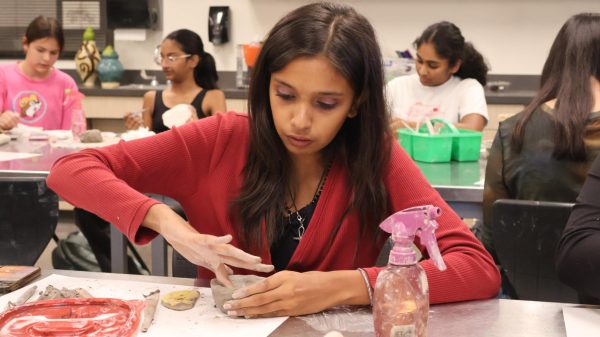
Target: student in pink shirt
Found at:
x=33, y=92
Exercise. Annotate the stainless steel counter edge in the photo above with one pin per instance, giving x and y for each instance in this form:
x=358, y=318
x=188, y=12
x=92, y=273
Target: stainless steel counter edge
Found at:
x=460, y=193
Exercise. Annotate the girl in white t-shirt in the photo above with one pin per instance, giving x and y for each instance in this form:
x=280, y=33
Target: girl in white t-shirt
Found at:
x=448, y=84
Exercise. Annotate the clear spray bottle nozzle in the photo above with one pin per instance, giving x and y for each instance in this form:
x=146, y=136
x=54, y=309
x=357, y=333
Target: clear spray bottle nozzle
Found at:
x=404, y=225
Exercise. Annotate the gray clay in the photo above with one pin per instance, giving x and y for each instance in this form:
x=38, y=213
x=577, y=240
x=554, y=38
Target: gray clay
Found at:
x=52, y=292
x=222, y=294
x=91, y=136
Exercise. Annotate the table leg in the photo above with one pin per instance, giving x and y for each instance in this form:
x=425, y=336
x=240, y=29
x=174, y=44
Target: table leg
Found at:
x=118, y=251
x=159, y=256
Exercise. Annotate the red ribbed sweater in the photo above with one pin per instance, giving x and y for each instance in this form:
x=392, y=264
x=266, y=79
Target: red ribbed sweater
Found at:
x=200, y=165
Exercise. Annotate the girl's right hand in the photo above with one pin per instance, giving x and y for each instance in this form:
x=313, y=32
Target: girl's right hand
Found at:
x=133, y=120
x=8, y=120
x=209, y=251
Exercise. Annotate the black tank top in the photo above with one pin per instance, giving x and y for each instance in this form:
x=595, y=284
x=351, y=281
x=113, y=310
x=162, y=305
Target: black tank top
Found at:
x=160, y=108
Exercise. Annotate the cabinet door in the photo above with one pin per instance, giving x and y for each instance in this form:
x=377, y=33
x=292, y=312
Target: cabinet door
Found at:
x=106, y=107
x=237, y=105
x=498, y=113
x=106, y=112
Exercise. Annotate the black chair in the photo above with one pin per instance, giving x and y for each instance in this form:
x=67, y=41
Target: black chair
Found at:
x=182, y=267
x=97, y=231
x=526, y=235
x=28, y=218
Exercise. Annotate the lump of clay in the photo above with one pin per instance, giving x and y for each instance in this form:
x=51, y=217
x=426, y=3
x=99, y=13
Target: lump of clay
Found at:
x=91, y=136
x=52, y=292
x=222, y=294
x=180, y=300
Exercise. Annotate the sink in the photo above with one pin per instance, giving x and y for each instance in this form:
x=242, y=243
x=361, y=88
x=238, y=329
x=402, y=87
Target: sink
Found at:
x=142, y=86
x=497, y=86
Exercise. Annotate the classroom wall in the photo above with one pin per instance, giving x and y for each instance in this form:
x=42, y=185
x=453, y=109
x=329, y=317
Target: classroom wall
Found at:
x=513, y=35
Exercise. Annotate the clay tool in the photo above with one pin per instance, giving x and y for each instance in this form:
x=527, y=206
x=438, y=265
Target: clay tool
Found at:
x=151, y=303
x=407, y=126
x=22, y=299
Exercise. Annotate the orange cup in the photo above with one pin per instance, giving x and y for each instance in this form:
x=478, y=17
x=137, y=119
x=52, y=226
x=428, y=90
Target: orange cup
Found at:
x=251, y=53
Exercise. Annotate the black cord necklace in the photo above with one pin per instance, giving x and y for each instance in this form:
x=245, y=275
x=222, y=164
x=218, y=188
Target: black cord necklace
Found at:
x=301, y=228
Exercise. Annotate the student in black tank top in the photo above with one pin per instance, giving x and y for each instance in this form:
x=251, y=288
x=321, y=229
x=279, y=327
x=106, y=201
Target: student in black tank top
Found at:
x=193, y=77
x=160, y=108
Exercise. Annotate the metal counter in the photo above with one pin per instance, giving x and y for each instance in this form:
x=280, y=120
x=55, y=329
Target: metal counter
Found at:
x=459, y=183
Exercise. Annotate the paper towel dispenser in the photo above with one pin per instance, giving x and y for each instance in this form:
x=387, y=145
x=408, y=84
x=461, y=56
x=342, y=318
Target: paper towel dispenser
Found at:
x=218, y=24
x=133, y=14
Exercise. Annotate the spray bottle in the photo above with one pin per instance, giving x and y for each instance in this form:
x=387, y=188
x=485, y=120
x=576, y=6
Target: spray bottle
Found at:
x=401, y=297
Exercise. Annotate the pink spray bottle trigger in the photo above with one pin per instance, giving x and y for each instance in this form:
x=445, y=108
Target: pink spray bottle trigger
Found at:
x=404, y=225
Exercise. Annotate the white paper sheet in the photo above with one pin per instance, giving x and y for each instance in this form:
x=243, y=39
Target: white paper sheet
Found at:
x=6, y=156
x=202, y=320
x=581, y=322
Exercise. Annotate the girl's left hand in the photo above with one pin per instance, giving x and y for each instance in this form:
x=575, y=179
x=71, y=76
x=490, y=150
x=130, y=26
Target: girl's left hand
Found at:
x=286, y=293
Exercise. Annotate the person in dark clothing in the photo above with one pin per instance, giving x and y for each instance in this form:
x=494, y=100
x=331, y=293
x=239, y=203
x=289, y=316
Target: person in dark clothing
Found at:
x=544, y=152
x=578, y=260
x=193, y=77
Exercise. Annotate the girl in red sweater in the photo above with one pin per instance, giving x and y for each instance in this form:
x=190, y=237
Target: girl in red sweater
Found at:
x=301, y=183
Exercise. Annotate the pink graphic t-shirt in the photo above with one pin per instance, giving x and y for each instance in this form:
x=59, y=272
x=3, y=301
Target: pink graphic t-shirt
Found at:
x=49, y=103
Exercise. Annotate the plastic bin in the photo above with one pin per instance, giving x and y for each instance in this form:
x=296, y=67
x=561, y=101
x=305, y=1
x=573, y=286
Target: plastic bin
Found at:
x=425, y=147
x=450, y=144
x=432, y=148
x=405, y=137
x=466, y=144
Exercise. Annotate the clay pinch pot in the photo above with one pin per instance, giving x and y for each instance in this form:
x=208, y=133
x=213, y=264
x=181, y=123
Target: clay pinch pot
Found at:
x=222, y=294
x=73, y=317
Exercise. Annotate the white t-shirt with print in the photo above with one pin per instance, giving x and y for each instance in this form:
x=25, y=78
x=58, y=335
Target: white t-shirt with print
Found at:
x=409, y=99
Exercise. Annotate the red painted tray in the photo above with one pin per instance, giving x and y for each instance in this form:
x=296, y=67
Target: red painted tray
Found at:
x=76, y=317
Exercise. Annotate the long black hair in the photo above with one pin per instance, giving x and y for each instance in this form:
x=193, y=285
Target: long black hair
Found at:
x=362, y=145
x=574, y=58
x=450, y=44
x=205, y=73
x=42, y=27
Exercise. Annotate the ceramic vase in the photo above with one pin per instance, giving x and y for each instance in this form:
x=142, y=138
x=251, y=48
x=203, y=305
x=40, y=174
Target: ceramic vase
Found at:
x=87, y=59
x=110, y=69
